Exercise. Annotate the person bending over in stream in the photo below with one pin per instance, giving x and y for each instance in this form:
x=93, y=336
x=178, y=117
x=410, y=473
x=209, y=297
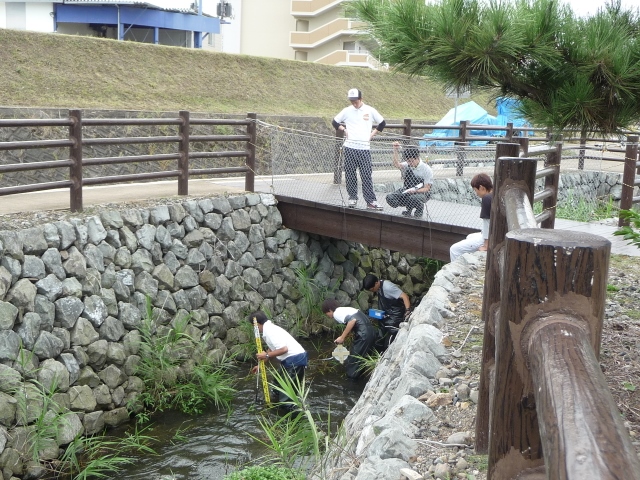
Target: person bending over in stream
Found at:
x=293, y=357
x=364, y=333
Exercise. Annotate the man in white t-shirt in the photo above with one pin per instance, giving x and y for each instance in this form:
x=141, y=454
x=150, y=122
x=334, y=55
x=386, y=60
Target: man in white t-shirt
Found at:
x=417, y=177
x=358, y=120
x=293, y=357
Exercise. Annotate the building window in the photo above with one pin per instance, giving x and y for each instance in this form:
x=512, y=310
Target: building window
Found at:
x=349, y=46
x=302, y=56
x=302, y=25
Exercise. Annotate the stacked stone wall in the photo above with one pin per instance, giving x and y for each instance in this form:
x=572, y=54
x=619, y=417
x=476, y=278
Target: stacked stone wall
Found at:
x=73, y=295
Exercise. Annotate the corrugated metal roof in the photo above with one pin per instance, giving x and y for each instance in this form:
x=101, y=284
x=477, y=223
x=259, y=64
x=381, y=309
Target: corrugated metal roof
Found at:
x=132, y=2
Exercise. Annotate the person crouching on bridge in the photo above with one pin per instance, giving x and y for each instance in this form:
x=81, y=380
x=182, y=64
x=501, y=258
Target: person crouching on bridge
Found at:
x=477, y=241
x=293, y=357
x=417, y=177
x=364, y=334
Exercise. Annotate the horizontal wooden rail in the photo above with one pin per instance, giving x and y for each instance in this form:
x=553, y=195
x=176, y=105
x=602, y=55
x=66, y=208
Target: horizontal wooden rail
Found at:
x=99, y=122
x=224, y=154
x=35, y=187
x=219, y=170
x=34, y=122
x=219, y=138
x=544, y=172
x=543, y=216
x=29, y=144
x=26, y=167
x=519, y=213
x=183, y=139
x=541, y=195
x=580, y=424
x=129, y=159
x=216, y=121
x=129, y=140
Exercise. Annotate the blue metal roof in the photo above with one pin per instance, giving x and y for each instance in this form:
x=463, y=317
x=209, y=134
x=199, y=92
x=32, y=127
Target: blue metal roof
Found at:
x=138, y=14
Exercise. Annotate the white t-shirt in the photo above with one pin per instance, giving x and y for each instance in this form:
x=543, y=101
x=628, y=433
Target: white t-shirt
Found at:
x=341, y=313
x=422, y=171
x=359, y=123
x=277, y=337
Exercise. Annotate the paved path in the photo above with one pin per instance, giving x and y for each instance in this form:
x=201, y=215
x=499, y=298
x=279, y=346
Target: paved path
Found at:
x=59, y=200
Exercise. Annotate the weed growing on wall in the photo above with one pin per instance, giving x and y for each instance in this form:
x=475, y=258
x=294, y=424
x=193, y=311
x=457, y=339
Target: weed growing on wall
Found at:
x=312, y=292
x=430, y=267
x=42, y=425
x=173, y=382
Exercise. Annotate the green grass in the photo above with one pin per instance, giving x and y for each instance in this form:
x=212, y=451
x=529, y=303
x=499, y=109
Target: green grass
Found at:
x=54, y=70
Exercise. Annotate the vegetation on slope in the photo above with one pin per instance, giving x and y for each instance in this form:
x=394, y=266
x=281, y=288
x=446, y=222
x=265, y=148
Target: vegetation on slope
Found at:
x=53, y=70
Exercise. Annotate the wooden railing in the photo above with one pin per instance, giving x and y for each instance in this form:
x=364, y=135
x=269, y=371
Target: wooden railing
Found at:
x=182, y=156
x=544, y=405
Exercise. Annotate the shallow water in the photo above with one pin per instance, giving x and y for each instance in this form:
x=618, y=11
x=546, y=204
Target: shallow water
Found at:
x=216, y=445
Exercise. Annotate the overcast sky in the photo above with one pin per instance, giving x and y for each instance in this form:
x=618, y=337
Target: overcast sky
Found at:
x=581, y=7
x=589, y=7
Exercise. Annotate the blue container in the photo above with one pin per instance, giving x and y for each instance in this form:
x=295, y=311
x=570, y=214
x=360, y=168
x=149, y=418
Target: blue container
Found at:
x=374, y=313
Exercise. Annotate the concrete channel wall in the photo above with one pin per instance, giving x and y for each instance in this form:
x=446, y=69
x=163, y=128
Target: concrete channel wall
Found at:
x=73, y=295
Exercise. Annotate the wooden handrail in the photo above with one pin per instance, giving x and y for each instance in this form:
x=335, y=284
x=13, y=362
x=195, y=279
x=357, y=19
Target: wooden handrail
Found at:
x=542, y=393
x=77, y=141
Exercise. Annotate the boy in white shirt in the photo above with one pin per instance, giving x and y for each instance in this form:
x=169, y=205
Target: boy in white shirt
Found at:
x=293, y=357
x=364, y=333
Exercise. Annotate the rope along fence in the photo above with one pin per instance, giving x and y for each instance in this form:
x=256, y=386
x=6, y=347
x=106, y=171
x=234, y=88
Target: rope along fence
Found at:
x=310, y=166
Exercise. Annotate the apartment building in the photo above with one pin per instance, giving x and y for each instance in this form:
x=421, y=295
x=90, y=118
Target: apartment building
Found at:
x=306, y=30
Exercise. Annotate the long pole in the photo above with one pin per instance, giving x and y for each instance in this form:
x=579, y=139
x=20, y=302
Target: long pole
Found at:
x=262, y=370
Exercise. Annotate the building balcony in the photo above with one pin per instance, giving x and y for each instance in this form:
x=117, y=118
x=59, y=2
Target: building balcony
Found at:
x=352, y=59
x=312, y=8
x=340, y=26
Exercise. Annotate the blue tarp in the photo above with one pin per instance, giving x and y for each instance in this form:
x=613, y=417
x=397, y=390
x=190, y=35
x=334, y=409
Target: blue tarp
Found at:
x=475, y=114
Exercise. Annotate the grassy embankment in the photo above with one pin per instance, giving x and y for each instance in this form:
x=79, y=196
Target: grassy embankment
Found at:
x=53, y=70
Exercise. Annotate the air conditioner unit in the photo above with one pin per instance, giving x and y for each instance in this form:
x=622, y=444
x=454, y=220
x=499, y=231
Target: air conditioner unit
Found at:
x=224, y=9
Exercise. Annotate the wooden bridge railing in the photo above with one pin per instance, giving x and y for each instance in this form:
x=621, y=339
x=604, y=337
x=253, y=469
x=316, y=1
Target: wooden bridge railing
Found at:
x=544, y=405
x=183, y=154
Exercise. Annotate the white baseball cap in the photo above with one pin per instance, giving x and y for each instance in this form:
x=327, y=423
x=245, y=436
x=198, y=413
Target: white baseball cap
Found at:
x=354, y=94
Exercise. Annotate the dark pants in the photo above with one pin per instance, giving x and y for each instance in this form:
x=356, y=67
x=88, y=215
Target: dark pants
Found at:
x=411, y=201
x=364, y=340
x=293, y=367
x=355, y=159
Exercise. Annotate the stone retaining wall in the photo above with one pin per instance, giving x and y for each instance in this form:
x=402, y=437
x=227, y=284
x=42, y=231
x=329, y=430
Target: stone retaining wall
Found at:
x=380, y=432
x=73, y=295
x=573, y=187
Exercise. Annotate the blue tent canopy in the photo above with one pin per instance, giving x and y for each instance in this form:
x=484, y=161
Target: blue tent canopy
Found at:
x=475, y=114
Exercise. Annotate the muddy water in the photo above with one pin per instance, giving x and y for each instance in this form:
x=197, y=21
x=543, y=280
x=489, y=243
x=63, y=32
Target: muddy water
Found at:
x=214, y=445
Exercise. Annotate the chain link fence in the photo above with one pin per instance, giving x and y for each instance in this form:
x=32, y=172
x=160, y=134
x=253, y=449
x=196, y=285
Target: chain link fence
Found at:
x=310, y=166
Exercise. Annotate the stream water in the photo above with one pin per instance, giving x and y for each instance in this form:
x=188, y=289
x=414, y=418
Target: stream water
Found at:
x=214, y=444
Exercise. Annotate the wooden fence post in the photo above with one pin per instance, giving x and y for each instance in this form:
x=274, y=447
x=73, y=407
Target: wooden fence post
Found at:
x=406, y=129
x=628, y=176
x=460, y=148
x=553, y=277
x=183, y=161
x=583, y=142
x=252, y=132
x=75, y=155
x=491, y=298
x=337, y=158
x=552, y=182
x=509, y=133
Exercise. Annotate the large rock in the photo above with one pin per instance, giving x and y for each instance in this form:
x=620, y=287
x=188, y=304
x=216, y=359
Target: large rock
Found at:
x=22, y=295
x=53, y=375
